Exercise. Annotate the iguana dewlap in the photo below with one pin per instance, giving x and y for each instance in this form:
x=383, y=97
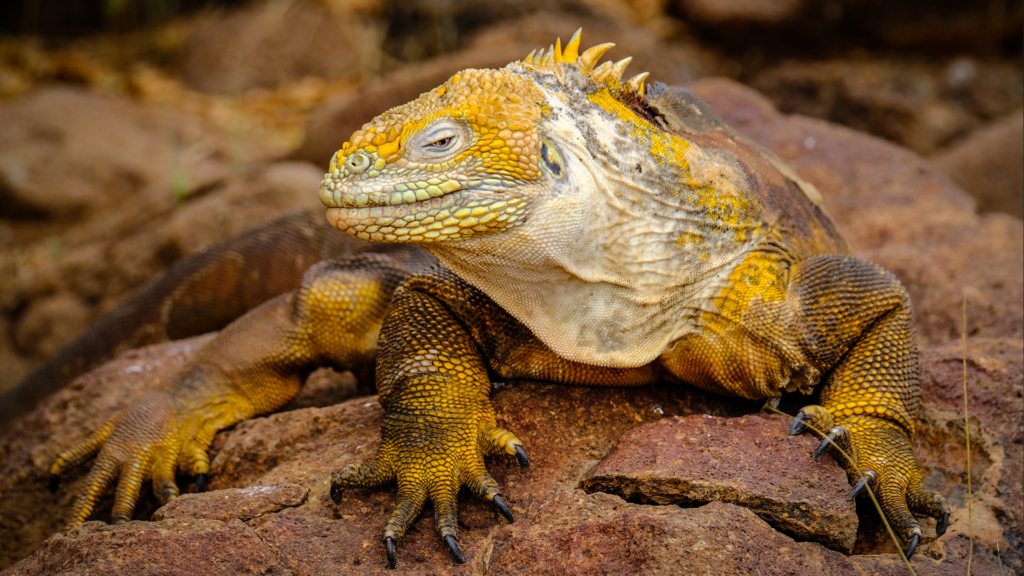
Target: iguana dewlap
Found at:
x=592, y=231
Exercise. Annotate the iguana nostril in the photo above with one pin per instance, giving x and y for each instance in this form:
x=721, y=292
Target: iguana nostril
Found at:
x=357, y=163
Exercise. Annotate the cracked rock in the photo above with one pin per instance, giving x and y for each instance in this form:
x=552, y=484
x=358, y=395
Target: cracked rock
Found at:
x=241, y=503
x=749, y=461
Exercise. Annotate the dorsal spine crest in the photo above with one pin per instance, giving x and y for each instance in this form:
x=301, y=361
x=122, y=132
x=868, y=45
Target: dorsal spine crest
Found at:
x=557, y=62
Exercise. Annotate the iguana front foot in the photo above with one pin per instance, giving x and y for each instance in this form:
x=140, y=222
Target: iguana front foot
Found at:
x=883, y=460
x=431, y=456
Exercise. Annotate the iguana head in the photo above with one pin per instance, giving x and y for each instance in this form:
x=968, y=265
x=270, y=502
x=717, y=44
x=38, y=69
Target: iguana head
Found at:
x=471, y=157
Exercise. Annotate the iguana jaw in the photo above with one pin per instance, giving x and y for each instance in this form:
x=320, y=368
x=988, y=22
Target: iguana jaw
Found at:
x=450, y=217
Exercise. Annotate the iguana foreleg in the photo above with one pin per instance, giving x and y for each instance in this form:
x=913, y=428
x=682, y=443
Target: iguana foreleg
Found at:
x=438, y=423
x=438, y=345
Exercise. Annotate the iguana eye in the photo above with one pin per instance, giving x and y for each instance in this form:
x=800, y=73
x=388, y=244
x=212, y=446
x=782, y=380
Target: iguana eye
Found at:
x=441, y=140
x=443, y=143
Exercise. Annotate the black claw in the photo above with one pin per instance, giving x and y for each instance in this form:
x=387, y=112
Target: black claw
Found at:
x=857, y=488
x=823, y=447
x=524, y=462
x=797, y=426
x=389, y=549
x=200, y=482
x=336, y=492
x=54, y=483
x=940, y=527
x=865, y=477
x=454, y=547
x=912, y=547
x=499, y=503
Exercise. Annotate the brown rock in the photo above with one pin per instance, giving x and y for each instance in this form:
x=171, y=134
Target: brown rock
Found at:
x=263, y=46
x=576, y=533
x=946, y=557
x=922, y=106
x=995, y=370
x=989, y=164
x=240, y=503
x=750, y=461
x=67, y=154
x=176, y=546
x=52, y=294
x=50, y=322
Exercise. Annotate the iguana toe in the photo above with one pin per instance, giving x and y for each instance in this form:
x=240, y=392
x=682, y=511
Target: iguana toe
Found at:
x=924, y=502
x=816, y=418
x=200, y=482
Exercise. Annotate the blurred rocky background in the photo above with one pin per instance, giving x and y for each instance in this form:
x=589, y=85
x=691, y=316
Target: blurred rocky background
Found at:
x=134, y=133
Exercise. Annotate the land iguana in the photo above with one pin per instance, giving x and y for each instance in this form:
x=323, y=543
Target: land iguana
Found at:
x=587, y=230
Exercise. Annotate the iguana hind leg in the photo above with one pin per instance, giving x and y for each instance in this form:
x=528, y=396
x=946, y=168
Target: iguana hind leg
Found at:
x=252, y=367
x=836, y=316
x=859, y=323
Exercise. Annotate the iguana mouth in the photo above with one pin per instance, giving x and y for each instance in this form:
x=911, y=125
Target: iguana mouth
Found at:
x=336, y=193
x=452, y=216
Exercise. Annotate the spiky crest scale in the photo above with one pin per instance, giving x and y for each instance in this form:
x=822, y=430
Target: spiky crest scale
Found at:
x=556, y=61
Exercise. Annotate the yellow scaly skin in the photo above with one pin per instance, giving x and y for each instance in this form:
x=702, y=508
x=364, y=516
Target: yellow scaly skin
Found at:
x=592, y=231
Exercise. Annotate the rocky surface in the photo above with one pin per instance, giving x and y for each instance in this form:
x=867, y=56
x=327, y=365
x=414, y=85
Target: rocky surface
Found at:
x=750, y=461
x=894, y=208
x=739, y=11
x=923, y=106
x=601, y=534
x=259, y=47
x=240, y=503
x=989, y=164
x=128, y=191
